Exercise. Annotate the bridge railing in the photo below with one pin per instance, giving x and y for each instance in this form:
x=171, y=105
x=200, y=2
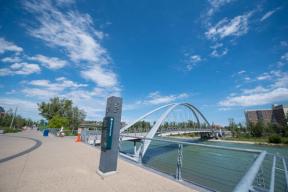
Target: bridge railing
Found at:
x=215, y=168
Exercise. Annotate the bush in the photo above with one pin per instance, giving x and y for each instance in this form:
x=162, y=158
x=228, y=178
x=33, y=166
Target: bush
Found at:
x=8, y=130
x=285, y=140
x=274, y=139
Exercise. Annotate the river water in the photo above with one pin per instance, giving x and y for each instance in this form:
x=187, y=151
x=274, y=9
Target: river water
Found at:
x=214, y=169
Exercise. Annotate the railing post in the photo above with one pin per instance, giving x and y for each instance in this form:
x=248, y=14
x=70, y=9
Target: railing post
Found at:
x=179, y=162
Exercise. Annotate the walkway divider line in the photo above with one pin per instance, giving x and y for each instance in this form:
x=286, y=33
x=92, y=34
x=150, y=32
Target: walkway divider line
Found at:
x=35, y=146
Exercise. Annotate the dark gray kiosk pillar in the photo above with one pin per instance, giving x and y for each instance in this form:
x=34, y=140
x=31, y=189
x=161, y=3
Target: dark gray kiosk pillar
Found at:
x=110, y=136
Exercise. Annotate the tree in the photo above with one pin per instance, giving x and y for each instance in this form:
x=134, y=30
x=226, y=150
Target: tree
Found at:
x=62, y=108
x=257, y=130
x=233, y=128
x=58, y=122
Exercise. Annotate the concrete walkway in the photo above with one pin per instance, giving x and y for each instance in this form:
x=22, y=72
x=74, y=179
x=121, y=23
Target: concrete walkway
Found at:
x=60, y=164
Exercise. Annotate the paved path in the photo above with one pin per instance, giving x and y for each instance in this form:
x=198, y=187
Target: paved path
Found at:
x=60, y=164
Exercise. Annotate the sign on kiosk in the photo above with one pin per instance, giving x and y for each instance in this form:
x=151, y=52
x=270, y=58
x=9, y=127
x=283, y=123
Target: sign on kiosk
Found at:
x=107, y=133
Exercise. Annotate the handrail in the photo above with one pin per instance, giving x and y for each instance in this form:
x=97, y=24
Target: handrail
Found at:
x=247, y=181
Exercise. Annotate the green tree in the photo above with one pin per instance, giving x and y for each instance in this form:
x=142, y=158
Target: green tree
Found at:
x=62, y=108
x=233, y=128
x=257, y=130
x=58, y=122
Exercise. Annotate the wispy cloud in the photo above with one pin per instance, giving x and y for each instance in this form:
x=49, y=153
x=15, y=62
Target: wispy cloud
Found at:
x=49, y=62
x=20, y=69
x=92, y=100
x=26, y=108
x=219, y=53
x=283, y=60
x=156, y=98
x=215, y=5
x=269, y=14
x=224, y=28
x=8, y=46
x=14, y=59
x=75, y=33
x=192, y=61
x=45, y=88
x=277, y=91
x=103, y=77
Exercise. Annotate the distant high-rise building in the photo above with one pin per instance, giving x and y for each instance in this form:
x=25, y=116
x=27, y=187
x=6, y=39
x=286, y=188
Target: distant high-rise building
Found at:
x=278, y=115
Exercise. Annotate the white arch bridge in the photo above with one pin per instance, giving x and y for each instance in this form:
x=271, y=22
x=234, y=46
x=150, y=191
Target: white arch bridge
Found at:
x=201, y=126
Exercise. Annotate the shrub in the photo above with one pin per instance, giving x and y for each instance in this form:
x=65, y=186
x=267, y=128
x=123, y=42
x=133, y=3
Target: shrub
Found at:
x=8, y=130
x=274, y=139
x=285, y=140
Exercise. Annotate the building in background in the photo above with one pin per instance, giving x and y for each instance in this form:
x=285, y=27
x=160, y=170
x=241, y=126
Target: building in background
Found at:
x=278, y=115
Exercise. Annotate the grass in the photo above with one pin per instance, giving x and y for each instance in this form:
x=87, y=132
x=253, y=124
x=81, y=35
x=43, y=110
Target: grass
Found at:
x=264, y=139
x=247, y=138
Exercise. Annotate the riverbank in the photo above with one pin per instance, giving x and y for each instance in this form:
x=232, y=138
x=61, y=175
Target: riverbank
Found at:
x=248, y=142
x=252, y=141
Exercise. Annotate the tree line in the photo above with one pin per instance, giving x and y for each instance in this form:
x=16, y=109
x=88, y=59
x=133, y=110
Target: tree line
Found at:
x=270, y=132
x=18, y=122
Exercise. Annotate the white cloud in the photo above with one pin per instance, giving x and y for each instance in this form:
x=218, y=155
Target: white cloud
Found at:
x=8, y=46
x=93, y=100
x=258, y=89
x=264, y=76
x=277, y=91
x=269, y=14
x=56, y=88
x=72, y=31
x=103, y=77
x=39, y=92
x=26, y=108
x=219, y=53
x=275, y=95
x=215, y=5
x=235, y=27
x=285, y=57
x=284, y=43
x=11, y=59
x=155, y=98
x=75, y=33
x=20, y=69
x=241, y=72
x=195, y=58
x=49, y=62
x=192, y=61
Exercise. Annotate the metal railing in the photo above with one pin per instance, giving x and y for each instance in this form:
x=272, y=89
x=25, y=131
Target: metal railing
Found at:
x=216, y=168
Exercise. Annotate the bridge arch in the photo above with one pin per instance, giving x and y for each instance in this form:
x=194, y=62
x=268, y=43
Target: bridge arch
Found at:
x=170, y=107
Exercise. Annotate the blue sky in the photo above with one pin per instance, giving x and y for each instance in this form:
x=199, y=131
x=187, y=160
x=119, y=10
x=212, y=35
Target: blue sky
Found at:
x=223, y=56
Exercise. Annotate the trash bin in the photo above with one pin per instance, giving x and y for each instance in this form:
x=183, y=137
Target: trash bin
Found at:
x=46, y=133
